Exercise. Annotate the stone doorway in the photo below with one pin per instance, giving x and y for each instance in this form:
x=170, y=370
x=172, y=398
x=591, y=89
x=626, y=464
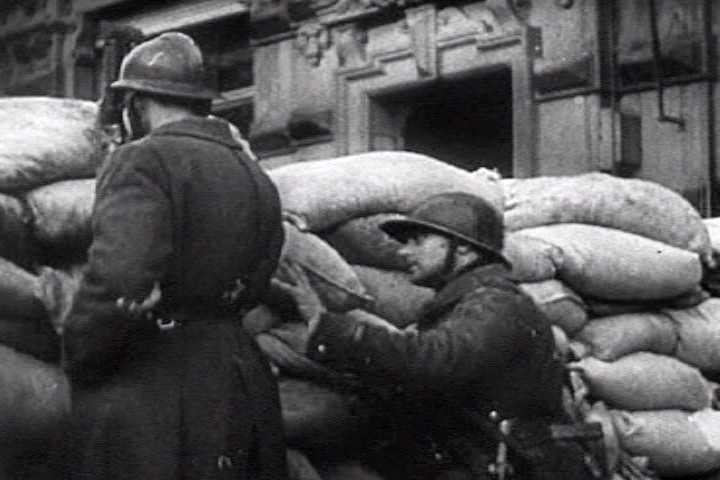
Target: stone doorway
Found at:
x=465, y=122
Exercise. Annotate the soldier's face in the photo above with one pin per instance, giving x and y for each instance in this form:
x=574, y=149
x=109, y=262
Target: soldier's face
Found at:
x=426, y=253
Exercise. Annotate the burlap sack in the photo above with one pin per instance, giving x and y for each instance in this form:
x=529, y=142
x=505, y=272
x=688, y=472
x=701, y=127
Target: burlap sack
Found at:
x=45, y=139
x=361, y=241
x=698, y=331
x=314, y=415
x=36, y=338
x=16, y=243
x=324, y=193
x=395, y=298
x=646, y=381
x=331, y=276
x=613, y=337
x=18, y=293
x=713, y=228
x=676, y=443
x=561, y=306
x=350, y=470
x=615, y=265
x=56, y=289
x=34, y=397
x=61, y=212
x=598, y=308
x=636, y=206
x=532, y=259
x=299, y=466
x=260, y=319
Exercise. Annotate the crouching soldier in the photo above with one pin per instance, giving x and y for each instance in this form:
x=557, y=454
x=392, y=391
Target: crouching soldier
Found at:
x=472, y=389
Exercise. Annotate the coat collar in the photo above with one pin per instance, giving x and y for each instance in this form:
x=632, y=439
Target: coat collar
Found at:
x=207, y=128
x=457, y=288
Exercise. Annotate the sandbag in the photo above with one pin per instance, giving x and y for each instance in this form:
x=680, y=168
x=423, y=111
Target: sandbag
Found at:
x=299, y=466
x=18, y=293
x=615, y=265
x=698, y=332
x=260, y=319
x=561, y=305
x=349, y=470
x=676, y=443
x=44, y=139
x=613, y=337
x=56, y=289
x=61, y=212
x=15, y=234
x=361, y=241
x=34, y=397
x=36, y=338
x=395, y=298
x=325, y=193
x=713, y=228
x=634, y=205
x=313, y=415
x=532, y=259
x=607, y=308
x=331, y=276
x=646, y=381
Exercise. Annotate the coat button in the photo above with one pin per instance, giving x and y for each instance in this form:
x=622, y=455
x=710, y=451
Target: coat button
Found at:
x=321, y=348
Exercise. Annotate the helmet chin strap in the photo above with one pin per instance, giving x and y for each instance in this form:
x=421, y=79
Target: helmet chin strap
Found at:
x=132, y=119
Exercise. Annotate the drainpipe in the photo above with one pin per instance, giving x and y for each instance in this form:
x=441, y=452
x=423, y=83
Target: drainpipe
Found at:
x=657, y=69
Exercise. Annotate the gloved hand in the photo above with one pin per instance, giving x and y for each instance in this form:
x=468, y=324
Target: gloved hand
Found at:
x=301, y=291
x=143, y=308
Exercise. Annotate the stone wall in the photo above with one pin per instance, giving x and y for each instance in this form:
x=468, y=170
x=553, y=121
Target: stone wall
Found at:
x=35, y=42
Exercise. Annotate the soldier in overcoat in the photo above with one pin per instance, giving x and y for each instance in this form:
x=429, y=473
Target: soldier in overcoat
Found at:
x=475, y=376
x=184, y=222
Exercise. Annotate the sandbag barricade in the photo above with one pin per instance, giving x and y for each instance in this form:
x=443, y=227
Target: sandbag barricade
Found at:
x=613, y=264
x=43, y=140
x=61, y=213
x=698, y=335
x=34, y=400
x=647, y=381
x=636, y=206
x=361, y=241
x=675, y=442
x=613, y=337
x=331, y=276
x=584, y=248
x=321, y=194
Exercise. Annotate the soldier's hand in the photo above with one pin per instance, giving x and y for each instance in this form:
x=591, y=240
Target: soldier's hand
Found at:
x=298, y=287
x=137, y=309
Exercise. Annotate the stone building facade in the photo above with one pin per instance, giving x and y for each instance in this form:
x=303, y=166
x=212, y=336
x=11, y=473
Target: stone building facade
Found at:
x=529, y=87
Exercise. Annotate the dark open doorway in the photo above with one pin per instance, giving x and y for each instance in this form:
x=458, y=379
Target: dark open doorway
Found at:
x=467, y=122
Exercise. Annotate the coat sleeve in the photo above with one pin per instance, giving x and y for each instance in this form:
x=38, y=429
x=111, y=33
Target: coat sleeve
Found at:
x=478, y=337
x=130, y=252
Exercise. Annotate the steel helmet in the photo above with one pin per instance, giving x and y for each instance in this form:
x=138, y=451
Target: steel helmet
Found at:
x=465, y=217
x=170, y=65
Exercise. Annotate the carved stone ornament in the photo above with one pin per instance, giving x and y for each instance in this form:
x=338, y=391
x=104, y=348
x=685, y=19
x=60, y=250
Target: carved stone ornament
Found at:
x=312, y=40
x=421, y=24
x=350, y=45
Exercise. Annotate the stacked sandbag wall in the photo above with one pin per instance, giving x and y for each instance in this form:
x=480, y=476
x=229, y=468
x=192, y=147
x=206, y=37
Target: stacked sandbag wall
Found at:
x=621, y=266
x=610, y=261
x=44, y=142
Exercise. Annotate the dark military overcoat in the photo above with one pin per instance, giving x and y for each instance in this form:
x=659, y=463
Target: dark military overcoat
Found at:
x=185, y=208
x=482, y=351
